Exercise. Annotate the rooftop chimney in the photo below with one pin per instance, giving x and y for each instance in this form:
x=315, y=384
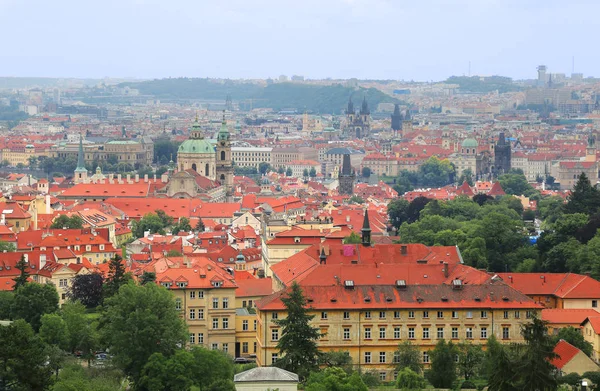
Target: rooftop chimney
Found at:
x=445, y=269
x=137, y=178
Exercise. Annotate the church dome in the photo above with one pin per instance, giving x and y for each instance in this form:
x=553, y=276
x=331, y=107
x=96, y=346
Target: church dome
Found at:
x=470, y=143
x=196, y=146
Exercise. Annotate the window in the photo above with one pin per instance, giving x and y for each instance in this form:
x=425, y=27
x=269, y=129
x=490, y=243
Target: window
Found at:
x=517, y=314
x=346, y=315
x=469, y=314
x=483, y=314
x=178, y=304
x=367, y=357
x=225, y=303
x=381, y=314
x=425, y=357
x=382, y=376
x=425, y=314
x=382, y=357
x=454, y=314
x=396, y=332
x=274, y=334
x=324, y=315
x=244, y=325
x=192, y=314
x=274, y=315
x=244, y=304
x=192, y=294
x=214, y=346
x=201, y=294
x=244, y=347
x=62, y=283
x=505, y=314
x=425, y=332
x=225, y=347
x=454, y=332
x=528, y=314
x=192, y=338
x=255, y=344
x=367, y=333
x=396, y=358
x=249, y=303
x=594, y=303
x=367, y=314
x=411, y=333
x=484, y=332
x=440, y=333
x=469, y=332
x=255, y=324
x=201, y=314
x=274, y=358
x=200, y=338
x=440, y=314
x=215, y=302
x=505, y=333
x=225, y=323
x=411, y=314
x=346, y=333
x=215, y=323
x=382, y=333
x=396, y=314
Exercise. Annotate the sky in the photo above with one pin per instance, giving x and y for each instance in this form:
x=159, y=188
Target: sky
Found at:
x=421, y=40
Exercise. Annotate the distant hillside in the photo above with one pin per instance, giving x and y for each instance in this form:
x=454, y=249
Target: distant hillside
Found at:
x=314, y=98
x=478, y=84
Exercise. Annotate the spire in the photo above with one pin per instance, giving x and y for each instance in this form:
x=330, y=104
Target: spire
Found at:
x=80, y=161
x=323, y=257
x=346, y=167
x=223, y=132
x=350, y=109
x=123, y=133
x=407, y=115
x=364, y=110
x=366, y=230
x=396, y=109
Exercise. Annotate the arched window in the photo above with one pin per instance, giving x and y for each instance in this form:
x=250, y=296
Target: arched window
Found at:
x=222, y=155
x=222, y=177
x=194, y=167
x=206, y=173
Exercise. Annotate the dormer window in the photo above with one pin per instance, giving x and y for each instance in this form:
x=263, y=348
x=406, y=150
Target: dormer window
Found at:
x=296, y=240
x=166, y=284
x=217, y=284
x=181, y=284
x=101, y=247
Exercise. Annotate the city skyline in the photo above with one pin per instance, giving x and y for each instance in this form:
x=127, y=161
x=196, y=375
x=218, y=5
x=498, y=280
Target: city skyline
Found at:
x=337, y=38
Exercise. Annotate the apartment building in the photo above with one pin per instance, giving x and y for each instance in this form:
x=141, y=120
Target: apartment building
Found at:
x=251, y=156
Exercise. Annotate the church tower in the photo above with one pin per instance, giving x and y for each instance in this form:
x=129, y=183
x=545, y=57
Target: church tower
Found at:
x=81, y=172
x=366, y=230
x=502, y=155
x=350, y=113
x=224, y=162
x=346, y=177
x=407, y=122
x=590, y=151
x=397, y=118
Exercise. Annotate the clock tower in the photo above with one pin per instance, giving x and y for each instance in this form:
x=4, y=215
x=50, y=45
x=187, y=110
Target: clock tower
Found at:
x=224, y=162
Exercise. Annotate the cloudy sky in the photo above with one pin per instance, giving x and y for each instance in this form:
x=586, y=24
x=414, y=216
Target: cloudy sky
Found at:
x=384, y=39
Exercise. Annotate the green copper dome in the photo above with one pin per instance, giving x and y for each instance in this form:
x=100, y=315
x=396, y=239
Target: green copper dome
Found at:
x=470, y=143
x=196, y=146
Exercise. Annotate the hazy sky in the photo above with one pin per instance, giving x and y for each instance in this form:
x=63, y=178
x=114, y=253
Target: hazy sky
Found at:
x=391, y=39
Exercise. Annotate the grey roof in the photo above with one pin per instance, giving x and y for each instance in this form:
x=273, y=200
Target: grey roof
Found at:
x=266, y=374
x=342, y=151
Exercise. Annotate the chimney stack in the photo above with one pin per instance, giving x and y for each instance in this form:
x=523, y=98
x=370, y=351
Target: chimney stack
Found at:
x=445, y=269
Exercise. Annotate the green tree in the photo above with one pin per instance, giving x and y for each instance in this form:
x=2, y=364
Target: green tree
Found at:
x=281, y=170
x=356, y=199
x=33, y=300
x=466, y=176
x=22, y=359
x=23, y=277
x=182, y=225
x=64, y=221
x=53, y=331
x=534, y=363
x=210, y=367
x=87, y=288
x=575, y=338
x=139, y=321
x=147, y=277
x=313, y=172
x=151, y=223
x=436, y=172
x=199, y=225
x=298, y=342
x=515, y=184
x=335, y=379
x=584, y=198
x=409, y=380
x=353, y=238
x=167, y=373
x=443, y=366
x=7, y=299
x=117, y=276
x=366, y=172
x=174, y=253
x=398, y=211
x=7, y=247
x=305, y=173
x=470, y=358
x=288, y=172
x=263, y=168
x=408, y=356
x=336, y=358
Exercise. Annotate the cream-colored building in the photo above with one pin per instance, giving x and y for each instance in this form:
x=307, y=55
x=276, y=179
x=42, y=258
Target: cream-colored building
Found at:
x=251, y=156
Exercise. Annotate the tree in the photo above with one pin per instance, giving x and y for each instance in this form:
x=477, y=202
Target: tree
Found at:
x=298, y=342
x=33, y=300
x=64, y=221
x=398, y=211
x=210, y=367
x=466, y=176
x=167, y=373
x=139, y=321
x=366, y=172
x=222, y=385
x=281, y=170
x=116, y=276
x=584, y=198
x=335, y=379
x=336, y=358
x=83, y=335
x=263, y=167
x=443, y=366
x=147, y=278
x=313, y=172
x=305, y=173
x=199, y=225
x=23, y=277
x=22, y=359
x=470, y=358
x=87, y=288
x=7, y=299
x=182, y=225
x=409, y=380
x=408, y=356
x=353, y=238
x=413, y=213
x=7, y=247
x=151, y=223
x=174, y=253
x=32, y=162
x=575, y=338
x=436, y=172
x=356, y=199
x=53, y=331
x=534, y=363
x=288, y=172
x=515, y=184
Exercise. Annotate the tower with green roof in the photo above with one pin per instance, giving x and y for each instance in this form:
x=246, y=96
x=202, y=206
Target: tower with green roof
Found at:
x=224, y=161
x=81, y=172
x=197, y=154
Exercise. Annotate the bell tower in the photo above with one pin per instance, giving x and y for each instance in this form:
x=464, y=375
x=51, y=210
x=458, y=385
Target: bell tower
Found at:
x=224, y=161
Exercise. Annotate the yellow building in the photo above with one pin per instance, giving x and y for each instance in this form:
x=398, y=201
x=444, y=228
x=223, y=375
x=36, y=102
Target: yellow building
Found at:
x=249, y=292
x=205, y=295
x=21, y=154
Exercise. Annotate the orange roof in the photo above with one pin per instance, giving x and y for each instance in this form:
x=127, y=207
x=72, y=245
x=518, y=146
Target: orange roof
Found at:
x=565, y=352
x=106, y=190
x=563, y=285
x=254, y=287
x=567, y=316
x=594, y=322
x=138, y=207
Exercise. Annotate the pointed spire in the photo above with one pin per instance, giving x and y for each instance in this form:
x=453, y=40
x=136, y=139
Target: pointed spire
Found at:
x=364, y=110
x=123, y=133
x=366, y=230
x=323, y=257
x=350, y=109
x=223, y=132
x=80, y=160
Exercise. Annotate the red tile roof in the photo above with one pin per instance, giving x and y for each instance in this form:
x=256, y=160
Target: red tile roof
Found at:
x=565, y=352
x=254, y=287
x=563, y=285
x=567, y=316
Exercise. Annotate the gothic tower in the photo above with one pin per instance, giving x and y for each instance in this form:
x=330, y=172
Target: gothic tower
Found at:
x=366, y=230
x=350, y=113
x=407, y=122
x=502, y=155
x=590, y=151
x=80, y=172
x=224, y=162
x=346, y=177
x=397, y=118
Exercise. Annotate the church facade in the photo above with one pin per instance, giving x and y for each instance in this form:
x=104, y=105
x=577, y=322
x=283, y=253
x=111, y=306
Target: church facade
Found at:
x=358, y=123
